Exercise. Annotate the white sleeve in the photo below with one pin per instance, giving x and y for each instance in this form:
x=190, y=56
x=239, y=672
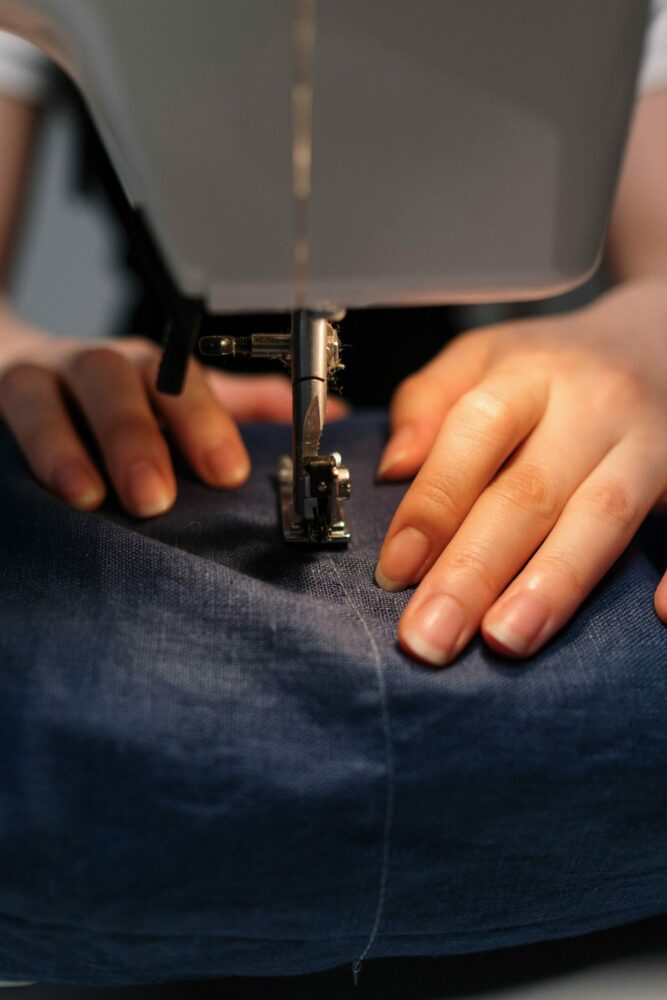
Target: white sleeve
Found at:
x=653, y=74
x=23, y=69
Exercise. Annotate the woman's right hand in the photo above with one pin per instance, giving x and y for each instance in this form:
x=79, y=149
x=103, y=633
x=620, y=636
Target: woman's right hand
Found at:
x=111, y=384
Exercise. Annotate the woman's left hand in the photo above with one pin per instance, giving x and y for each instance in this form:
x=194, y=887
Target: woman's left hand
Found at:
x=541, y=446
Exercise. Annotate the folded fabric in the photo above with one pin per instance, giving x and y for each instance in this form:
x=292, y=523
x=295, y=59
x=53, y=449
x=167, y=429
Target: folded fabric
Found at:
x=215, y=760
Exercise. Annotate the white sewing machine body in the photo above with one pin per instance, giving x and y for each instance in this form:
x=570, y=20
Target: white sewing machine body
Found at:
x=311, y=155
x=461, y=150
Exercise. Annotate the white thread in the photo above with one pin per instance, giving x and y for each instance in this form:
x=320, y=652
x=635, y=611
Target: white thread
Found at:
x=389, y=810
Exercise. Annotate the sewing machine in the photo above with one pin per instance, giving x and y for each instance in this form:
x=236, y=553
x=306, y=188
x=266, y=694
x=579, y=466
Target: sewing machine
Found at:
x=314, y=155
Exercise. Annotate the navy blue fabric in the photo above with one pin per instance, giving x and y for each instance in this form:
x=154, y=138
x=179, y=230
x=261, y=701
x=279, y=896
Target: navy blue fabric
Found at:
x=214, y=759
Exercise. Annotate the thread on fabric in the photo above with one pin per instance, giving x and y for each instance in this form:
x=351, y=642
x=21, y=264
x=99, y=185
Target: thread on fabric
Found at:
x=389, y=757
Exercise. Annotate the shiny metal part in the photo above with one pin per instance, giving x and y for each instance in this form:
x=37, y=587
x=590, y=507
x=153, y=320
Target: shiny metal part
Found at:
x=318, y=485
x=330, y=483
x=257, y=345
x=313, y=487
x=271, y=346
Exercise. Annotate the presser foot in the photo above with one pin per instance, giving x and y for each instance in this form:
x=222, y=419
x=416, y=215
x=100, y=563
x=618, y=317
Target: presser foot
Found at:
x=326, y=485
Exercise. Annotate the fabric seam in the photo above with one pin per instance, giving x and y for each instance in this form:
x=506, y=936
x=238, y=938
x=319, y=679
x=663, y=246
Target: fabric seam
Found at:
x=389, y=759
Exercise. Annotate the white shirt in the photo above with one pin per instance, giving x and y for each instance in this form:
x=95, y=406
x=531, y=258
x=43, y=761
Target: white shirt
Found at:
x=653, y=73
x=24, y=73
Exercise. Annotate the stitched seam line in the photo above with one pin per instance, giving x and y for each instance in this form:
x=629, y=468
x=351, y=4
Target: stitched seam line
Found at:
x=389, y=757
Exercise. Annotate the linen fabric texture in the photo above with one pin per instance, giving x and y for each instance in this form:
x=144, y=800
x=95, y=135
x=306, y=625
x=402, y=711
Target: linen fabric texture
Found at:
x=215, y=760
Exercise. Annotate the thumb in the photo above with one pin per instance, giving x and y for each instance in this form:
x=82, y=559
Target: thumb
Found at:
x=422, y=401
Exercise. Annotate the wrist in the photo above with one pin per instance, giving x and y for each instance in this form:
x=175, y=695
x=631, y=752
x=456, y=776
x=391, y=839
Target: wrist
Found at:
x=637, y=302
x=630, y=321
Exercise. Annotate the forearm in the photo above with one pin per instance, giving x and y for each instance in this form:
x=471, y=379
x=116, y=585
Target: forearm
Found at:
x=18, y=124
x=637, y=240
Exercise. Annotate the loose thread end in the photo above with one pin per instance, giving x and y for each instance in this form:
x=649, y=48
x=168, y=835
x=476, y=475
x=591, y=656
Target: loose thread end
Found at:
x=356, y=969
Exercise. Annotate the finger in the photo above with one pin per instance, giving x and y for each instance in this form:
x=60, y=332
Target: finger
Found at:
x=202, y=428
x=138, y=350
x=508, y=522
x=421, y=401
x=338, y=408
x=597, y=524
x=661, y=599
x=477, y=436
x=250, y=398
x=112, y=394
x=32, y=403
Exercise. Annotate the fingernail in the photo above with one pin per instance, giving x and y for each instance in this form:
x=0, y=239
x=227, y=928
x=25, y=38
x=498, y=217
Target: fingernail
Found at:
x=147, y=489
x=73, y=483
x=434, y=630
x=402, y=560
x=224, y=469
x=398, y=450
x=520, y=622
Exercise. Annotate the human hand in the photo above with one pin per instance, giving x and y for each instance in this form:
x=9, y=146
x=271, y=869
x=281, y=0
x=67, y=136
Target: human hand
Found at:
x=541, y=445
x=112, y=383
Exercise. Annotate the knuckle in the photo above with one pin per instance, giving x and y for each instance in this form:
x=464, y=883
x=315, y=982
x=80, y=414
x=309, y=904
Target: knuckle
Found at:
x=477, y=341
x=613, y=503
x=139, y=344
x=199, y=411
x=488, y=412
x=620, y=388
x=204, y=418
x=43, y=440
x=561, y=565
x=17, y=379
x=130, y=429
x=440, y=500
x=472, y=560
x=406, y=392
x=95, y=361
x=196, y=373
x=529, y=488
x=149, y=366
x=475, y=335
